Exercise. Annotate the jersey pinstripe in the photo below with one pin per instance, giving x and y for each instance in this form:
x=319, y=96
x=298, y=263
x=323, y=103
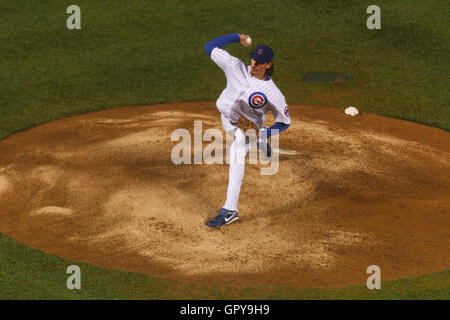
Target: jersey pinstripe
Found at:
x=245, y=95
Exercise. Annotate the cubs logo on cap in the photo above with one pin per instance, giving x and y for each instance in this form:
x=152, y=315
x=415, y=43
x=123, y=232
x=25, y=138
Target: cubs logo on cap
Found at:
x=257, y=100
x=262, y=53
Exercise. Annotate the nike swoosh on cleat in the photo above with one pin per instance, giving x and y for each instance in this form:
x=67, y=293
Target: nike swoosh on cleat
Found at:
x=232, y=216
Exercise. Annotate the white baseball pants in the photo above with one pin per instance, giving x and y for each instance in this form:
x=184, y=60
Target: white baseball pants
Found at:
x=238, y=151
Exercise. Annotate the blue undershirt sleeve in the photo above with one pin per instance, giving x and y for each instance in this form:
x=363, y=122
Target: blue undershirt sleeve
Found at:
x=278, y=125
x=220, y=42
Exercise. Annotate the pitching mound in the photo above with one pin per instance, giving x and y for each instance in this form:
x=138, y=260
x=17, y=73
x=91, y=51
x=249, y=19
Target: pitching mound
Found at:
x=352, y=192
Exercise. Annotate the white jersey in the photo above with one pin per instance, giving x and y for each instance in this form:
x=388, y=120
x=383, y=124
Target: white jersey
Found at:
x=246, y=95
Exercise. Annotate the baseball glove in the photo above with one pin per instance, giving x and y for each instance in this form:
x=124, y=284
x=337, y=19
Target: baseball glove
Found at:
x=245, y=124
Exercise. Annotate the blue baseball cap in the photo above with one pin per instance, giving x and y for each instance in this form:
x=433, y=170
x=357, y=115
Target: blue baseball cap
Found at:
x=262, y=54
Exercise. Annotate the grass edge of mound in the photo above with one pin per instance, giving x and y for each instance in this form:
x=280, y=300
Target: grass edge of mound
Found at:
x=29, y=273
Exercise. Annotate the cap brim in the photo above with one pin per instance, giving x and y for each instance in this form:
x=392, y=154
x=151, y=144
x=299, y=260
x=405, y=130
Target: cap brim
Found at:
x=252, y=57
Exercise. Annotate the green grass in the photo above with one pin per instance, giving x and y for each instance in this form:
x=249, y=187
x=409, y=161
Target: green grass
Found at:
x=27, y=273
x=147, y=52
x=152, y=52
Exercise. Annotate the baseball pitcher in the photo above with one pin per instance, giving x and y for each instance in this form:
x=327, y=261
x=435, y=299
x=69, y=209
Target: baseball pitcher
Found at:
x=250, y=93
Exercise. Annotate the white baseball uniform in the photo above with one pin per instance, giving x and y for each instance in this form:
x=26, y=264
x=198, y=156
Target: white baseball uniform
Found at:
x=245, y=96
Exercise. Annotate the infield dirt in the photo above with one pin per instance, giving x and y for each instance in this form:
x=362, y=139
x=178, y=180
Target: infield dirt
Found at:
x=360, y=191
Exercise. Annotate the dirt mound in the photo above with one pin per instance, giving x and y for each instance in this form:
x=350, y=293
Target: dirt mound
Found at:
x=354, y=191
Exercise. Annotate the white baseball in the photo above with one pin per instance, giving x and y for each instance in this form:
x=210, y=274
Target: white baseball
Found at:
x=351, y=111
x=248, y=41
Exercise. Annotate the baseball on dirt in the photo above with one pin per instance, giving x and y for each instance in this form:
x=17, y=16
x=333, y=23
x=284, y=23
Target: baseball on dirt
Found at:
x=351, y=111
x=248, y=41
